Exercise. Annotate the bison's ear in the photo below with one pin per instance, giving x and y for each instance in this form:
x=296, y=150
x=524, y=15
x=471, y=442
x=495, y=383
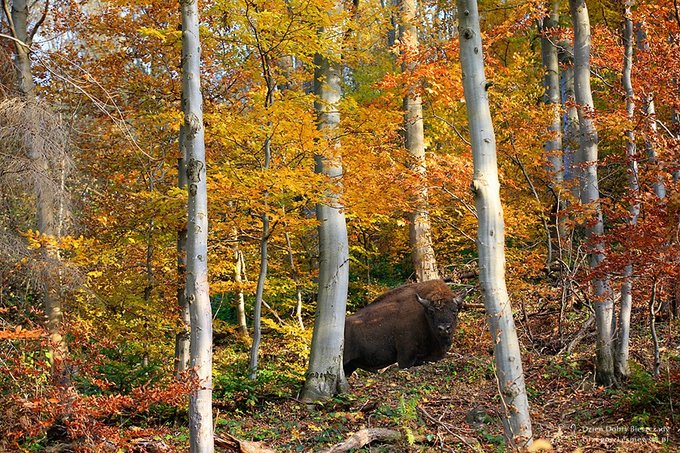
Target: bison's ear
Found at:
x=424, y=302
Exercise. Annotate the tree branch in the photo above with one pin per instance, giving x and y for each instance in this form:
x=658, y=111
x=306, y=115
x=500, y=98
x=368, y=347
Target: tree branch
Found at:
x=5, y=8
x=40, y=21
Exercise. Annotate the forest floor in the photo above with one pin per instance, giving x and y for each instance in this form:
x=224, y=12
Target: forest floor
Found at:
x=453, y=405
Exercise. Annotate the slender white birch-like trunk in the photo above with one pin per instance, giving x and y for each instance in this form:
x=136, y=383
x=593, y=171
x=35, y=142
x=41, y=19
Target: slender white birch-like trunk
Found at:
x=622, y=368
x=197, y=290
x=424, y=261
x=553, y=145
x=649, y=109
x=239, y=271
x=570, y=127
x=551, y=83
x=491, y=230
x=590, y=195
x=325, y=375
x=182, y=339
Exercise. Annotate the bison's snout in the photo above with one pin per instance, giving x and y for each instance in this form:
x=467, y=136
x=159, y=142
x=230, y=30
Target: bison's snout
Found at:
x=445, y=330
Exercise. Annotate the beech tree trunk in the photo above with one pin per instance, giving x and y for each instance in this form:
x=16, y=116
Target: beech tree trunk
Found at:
x=571, y=129
x=22, y=60
x=491, y=230
x=553, y=145
x=197, y=290
x=239, y=272
x=424, y=261
x=182, y=339
x=649, y=110
x=44, y=194
x=264, y=239
x=325, y=375
x=551, y=82
x=622, y=368
x=590, y=195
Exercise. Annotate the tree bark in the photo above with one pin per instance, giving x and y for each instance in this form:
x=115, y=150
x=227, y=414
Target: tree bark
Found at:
x=491, y=230
x=259, y=295
x=622, y=368
x=22, y=58
x=656, y=368
x=551, y=83
x=264, y=240
x=197, y=290
x=182, y=339
x=571, y=129
x=590, y=195
x=44, y=195
x=239, y=271
x=649, y=110
x=325, y=376
x=424, y=261
x=296, y=278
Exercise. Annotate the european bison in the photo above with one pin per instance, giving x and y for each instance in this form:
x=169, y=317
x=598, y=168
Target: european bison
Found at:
x=409, y=325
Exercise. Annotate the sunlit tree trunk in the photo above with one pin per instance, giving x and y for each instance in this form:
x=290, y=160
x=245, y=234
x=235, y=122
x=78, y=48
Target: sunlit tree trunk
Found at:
x=44, y=194
x=551, y=83
x=239, y=272
x=622, y=348
x=590, y=196
x=197, y=291
x=264, y=239
x=424, y=261
x=182, y=339
x=296, y=278
x=570, y=126
x=649, y=110
x=22, y=59
x=491, y=230
x=325, y=376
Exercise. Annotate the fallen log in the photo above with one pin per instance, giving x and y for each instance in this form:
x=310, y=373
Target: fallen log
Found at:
x=234, y=445
x=365, y=437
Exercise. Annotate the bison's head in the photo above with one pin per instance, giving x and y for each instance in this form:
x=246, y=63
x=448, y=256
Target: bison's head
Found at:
x=442, y=317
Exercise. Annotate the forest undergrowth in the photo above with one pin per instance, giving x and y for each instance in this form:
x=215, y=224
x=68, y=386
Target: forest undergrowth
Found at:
x=452, y=405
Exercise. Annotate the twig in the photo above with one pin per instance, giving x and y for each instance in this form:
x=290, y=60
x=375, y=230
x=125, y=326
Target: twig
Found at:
x=443, y=425
x=455, y=129
x=465, y=204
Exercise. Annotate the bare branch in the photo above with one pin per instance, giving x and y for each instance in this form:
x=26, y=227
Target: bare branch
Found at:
x=40, y=21
x=5, y=8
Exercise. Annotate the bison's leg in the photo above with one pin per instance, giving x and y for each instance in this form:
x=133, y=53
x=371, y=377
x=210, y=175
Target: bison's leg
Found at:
x=406, y=357
x=350, y=368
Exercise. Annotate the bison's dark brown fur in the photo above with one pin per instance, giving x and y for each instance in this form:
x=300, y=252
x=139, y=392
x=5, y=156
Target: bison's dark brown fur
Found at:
x=409, y=325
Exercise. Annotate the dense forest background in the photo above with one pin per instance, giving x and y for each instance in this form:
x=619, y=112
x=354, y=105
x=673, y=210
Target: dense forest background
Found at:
x=93, y=204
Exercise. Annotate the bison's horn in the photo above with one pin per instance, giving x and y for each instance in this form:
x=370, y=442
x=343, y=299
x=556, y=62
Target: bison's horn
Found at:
x=424, y=302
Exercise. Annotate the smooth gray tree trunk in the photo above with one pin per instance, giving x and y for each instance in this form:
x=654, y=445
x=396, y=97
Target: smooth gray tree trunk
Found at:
x=622, y=368
x=570, y=127
x=22, y=59
x=491, y=230
x=182, y=338
x=649, y=109
x=264, y=239
x=551, y=83
x=44, y=194
x=197, y=290
x=551, y=97
x=590, y=195
x=239, y=272
x=325, y=375
x=420, y=231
